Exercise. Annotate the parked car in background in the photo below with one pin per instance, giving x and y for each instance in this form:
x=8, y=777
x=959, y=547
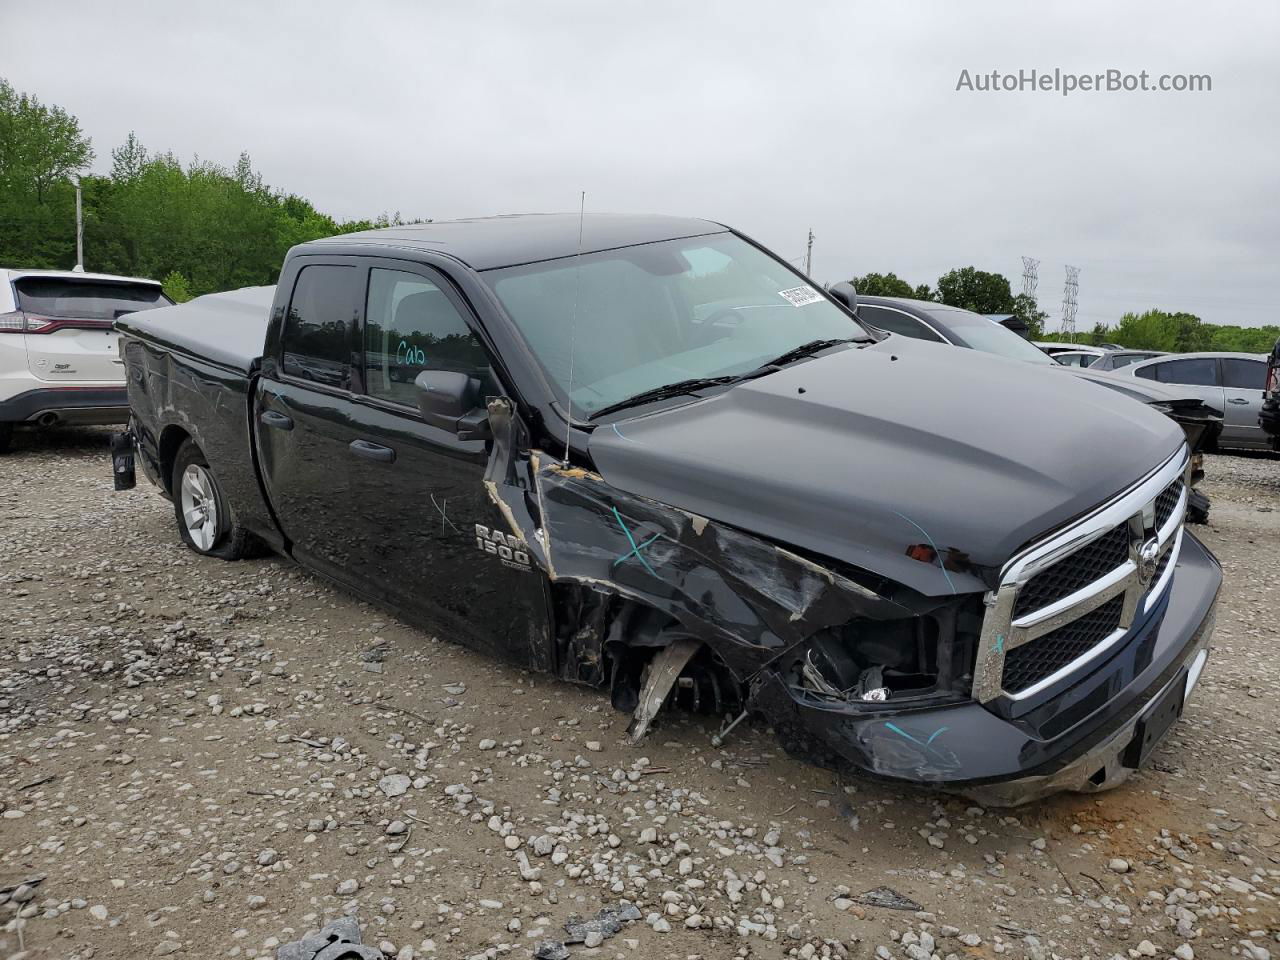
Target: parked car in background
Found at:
x=1115, y=359
x=1070, y=354
x=716, y=473
x=1077, y=358
x=1269, y=417
x=59, y=362
x=925, y=320
x=1232, y=381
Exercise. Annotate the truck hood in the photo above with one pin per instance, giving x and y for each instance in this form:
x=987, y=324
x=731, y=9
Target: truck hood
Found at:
x=865, y=454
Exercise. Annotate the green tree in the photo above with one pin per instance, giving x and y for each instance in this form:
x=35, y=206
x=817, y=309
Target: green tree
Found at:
x=972, y=289
x=39, y=145
x=176, y=288
x=1026, y=310
x=882, y=285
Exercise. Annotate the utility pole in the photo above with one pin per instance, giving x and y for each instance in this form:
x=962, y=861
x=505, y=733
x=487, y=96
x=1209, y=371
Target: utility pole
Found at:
x=808, y=256
x=79, y=230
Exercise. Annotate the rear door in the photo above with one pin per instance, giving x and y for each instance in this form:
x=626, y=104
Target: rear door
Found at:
x=303, y=417
x=1242, y=383
x=431, y=540
x=68, y=324
x=1200, y=375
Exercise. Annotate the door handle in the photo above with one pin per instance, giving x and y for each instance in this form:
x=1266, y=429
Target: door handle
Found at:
x=372, y=451
x=1237, y=400
x=269, y=418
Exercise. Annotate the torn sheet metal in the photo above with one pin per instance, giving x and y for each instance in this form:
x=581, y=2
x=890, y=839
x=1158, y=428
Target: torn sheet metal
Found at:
x=748, y=599
x=660, y=676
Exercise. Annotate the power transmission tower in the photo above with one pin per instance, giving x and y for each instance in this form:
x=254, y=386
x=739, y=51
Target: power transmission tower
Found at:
x=1029, y=278
x=808, y=256
x=1069, y=303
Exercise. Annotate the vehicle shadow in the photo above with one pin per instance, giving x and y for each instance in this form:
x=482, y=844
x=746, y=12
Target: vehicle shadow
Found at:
x=72, y=440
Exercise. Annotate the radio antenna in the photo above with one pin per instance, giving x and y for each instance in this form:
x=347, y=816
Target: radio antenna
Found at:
x=573, y=323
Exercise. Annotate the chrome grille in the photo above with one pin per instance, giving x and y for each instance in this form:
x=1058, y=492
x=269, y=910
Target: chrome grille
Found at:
x=1064, y=601
x=1030, y=663
x=1167, y=502
x=1074, y=572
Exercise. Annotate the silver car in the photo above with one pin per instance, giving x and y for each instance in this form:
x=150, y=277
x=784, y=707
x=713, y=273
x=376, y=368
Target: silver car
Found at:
x=1232, y=382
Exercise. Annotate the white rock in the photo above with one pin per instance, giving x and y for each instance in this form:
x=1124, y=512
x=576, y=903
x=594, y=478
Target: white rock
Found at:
x=395, y=785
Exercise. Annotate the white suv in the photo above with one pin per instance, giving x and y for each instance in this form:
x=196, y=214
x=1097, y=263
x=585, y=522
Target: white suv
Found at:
x=58, y=357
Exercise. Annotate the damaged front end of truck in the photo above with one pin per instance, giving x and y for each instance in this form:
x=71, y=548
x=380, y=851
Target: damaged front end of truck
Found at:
x=853, y=670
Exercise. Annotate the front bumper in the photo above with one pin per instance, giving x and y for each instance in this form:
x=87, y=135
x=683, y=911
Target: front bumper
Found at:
x=68, y=405
x=1078, y=737
x=1269, y=420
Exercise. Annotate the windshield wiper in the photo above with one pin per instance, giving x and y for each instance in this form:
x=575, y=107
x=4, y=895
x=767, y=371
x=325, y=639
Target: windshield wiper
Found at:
x=678, y=389
x=804, y=350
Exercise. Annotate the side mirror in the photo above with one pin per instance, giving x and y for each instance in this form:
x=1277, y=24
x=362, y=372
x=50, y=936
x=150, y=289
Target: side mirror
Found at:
x=846, y=294
x=451, y=401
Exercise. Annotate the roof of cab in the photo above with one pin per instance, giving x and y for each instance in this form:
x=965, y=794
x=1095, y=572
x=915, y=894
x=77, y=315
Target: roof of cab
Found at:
x=486, y=243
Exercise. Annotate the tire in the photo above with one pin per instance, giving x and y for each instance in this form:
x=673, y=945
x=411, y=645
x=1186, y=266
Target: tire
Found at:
x=6, y=434
x=1197, y=507
x=205, y=521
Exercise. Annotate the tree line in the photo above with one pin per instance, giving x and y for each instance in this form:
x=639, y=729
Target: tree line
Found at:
x=199, y=226
x=985, y=292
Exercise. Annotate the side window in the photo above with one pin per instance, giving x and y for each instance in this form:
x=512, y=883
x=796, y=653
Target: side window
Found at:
x=411, y=326
x=896, y=322
x=1243, y=374
x=317, y=328
x=1197, y=372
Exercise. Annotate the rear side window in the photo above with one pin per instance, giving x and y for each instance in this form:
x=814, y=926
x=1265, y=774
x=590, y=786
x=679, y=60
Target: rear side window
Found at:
x=896, y=322
x=1197, y=372
x=1243, y=374
x=1076, y=359
x=317, y=329
x=70, y=298
x=412, y=326
x=1124, y=359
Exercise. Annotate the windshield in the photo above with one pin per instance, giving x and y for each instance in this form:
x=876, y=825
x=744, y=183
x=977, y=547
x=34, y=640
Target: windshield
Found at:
x=978, y=333
x=660, y=313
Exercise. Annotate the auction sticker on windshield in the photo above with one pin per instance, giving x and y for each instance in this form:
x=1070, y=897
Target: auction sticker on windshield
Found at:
x=799, y=296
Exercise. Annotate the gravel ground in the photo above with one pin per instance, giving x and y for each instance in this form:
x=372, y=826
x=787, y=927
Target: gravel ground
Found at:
x=210, y=759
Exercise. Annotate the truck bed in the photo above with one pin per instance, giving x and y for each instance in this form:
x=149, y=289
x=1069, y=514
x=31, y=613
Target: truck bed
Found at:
x=223, y=328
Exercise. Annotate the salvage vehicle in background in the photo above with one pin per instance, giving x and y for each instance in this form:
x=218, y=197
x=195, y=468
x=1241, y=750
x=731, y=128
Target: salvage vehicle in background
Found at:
x=1232, y=381
x=926, y=320
x=1269, y=416
x=58, y=358
x=645, y=454
x=1070, y=354
x=1115, y=359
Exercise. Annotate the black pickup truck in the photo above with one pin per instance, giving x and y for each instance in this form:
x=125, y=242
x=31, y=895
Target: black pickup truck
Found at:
x=644, y=453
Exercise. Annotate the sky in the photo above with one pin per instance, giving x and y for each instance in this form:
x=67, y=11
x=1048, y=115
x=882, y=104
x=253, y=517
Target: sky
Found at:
x=843, y=118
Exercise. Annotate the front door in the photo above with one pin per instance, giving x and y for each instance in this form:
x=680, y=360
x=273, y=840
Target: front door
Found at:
x=1242, y=384
x=428, y=538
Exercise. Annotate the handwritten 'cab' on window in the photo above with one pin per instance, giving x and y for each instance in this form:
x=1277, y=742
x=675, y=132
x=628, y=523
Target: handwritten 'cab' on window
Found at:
x=411, y=325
